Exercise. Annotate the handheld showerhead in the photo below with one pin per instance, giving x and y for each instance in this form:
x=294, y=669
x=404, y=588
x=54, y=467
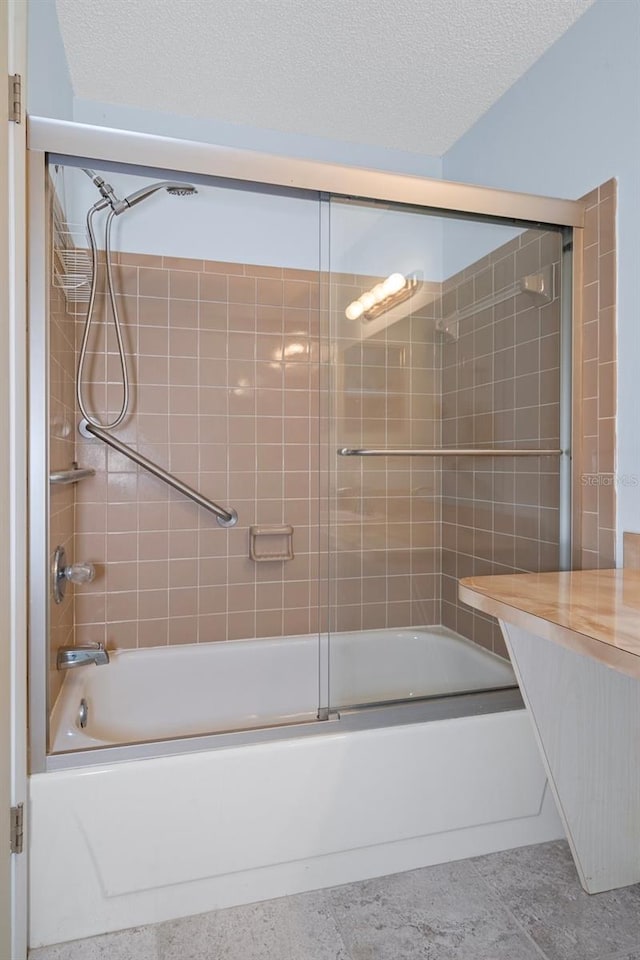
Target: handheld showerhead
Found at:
x=108, y=198
x=106, y=192
x=181, y=190
x=175, y=189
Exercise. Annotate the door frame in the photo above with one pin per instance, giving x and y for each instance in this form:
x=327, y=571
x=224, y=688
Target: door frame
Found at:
x=13, y=485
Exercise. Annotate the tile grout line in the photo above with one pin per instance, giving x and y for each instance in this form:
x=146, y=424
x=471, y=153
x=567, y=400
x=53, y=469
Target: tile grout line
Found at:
x=331, y=911
x=510, y=913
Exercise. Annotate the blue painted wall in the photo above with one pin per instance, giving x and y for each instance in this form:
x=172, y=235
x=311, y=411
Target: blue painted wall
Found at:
x=49, y=91
x=572, y=122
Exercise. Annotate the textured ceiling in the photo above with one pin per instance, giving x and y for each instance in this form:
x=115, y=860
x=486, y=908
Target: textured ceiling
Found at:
x=409, y=74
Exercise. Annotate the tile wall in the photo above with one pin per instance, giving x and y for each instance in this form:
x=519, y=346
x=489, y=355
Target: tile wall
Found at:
x=235, y=412
x=386, y=524
x=500, y=388
x=595, y=489
x=232, y=386
x=227, y=390
x=62, y=419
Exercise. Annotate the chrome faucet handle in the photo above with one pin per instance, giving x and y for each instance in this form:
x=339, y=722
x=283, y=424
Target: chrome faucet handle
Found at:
x=82, y=572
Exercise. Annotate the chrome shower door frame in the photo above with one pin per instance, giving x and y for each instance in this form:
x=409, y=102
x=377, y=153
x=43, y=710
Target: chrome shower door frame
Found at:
x=156, y=156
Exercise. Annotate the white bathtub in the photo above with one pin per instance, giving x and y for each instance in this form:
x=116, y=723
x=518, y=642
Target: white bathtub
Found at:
x=119, y=844
x=168, y=692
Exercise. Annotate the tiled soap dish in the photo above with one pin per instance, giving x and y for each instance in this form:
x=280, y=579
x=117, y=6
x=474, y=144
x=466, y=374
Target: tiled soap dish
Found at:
x=270, y=542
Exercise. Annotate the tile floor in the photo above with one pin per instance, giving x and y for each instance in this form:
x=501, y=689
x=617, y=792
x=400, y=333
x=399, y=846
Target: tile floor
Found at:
x=524, y=904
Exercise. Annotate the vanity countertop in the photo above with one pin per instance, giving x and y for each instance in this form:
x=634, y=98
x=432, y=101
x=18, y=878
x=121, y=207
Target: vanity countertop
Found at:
x=594, y=612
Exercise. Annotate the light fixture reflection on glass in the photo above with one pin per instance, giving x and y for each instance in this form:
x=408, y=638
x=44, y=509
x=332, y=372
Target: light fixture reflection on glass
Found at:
x=393, y=284
x=381, y=298
x=367, y=300
x=354, y=311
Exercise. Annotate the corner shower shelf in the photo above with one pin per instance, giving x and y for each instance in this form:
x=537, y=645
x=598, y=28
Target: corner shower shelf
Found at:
x=75, y=473
x=540, y=285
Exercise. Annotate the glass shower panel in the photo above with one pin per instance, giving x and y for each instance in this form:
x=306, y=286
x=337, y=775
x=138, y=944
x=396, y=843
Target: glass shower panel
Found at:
x=445, y=335
x=217, y=294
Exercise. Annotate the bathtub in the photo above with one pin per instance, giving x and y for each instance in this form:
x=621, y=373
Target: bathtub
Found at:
x=245, y=684
x=187, y=821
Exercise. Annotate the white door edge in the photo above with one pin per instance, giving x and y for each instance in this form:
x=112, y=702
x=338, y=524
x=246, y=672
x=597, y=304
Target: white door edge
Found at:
x=13, y=487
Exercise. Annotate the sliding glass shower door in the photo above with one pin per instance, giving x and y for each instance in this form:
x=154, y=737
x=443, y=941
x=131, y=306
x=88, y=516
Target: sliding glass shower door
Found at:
x=445, y=442
x=216, y=287
x=373, y=389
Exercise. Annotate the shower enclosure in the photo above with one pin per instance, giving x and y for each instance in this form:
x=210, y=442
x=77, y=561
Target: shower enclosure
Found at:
x=310, y=402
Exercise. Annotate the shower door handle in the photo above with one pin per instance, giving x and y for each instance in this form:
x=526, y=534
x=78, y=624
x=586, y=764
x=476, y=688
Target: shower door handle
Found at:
x=448, y=452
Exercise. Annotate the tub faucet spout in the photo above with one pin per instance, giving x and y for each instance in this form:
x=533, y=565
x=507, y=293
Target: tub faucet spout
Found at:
x=78, y=656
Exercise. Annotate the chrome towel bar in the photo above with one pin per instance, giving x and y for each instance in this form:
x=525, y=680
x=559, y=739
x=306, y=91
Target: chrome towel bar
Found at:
x=448, y=452
x=226, y=518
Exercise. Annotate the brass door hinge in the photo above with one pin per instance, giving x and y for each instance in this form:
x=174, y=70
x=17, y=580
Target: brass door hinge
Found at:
x=15, y=98
x=17, y=828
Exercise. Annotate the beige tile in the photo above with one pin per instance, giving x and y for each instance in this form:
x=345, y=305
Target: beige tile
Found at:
x=122, y=606
x=269, y=623
x=183, y=343
x=153, y=604
x=591, y=223
x=212, y=628
x=296, y=622
x=607, y=189
x=213, y=601
x=296, y=294
x=183, y=285
x=241, y=597
x=153, y=283
x=183, y=602
x=606, y=390
x=183, y=314
x=125, y=280
x=183, y=630
x=153, y=633
x=120, y=636
x=269, y=292
x=153, y=341
x=213, y=286
x=606, y=225
x=269, y=319
x=590, y=264
x=182, y=263
x=241, y=625
x=606, y=446
x=607, y=284
x=214, y=266
x=607, y=335
x=153, y=311
x=140, y=259
x=153, y=575
x=153, y=545
x=241, y=290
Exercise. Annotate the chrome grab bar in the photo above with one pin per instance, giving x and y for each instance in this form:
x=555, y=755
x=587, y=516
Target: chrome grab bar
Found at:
x=226, y=518
x=72, y=475
x=448, y=452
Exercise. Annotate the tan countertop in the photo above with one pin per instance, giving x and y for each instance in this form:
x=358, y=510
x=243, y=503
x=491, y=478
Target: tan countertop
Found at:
x=595, y=612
